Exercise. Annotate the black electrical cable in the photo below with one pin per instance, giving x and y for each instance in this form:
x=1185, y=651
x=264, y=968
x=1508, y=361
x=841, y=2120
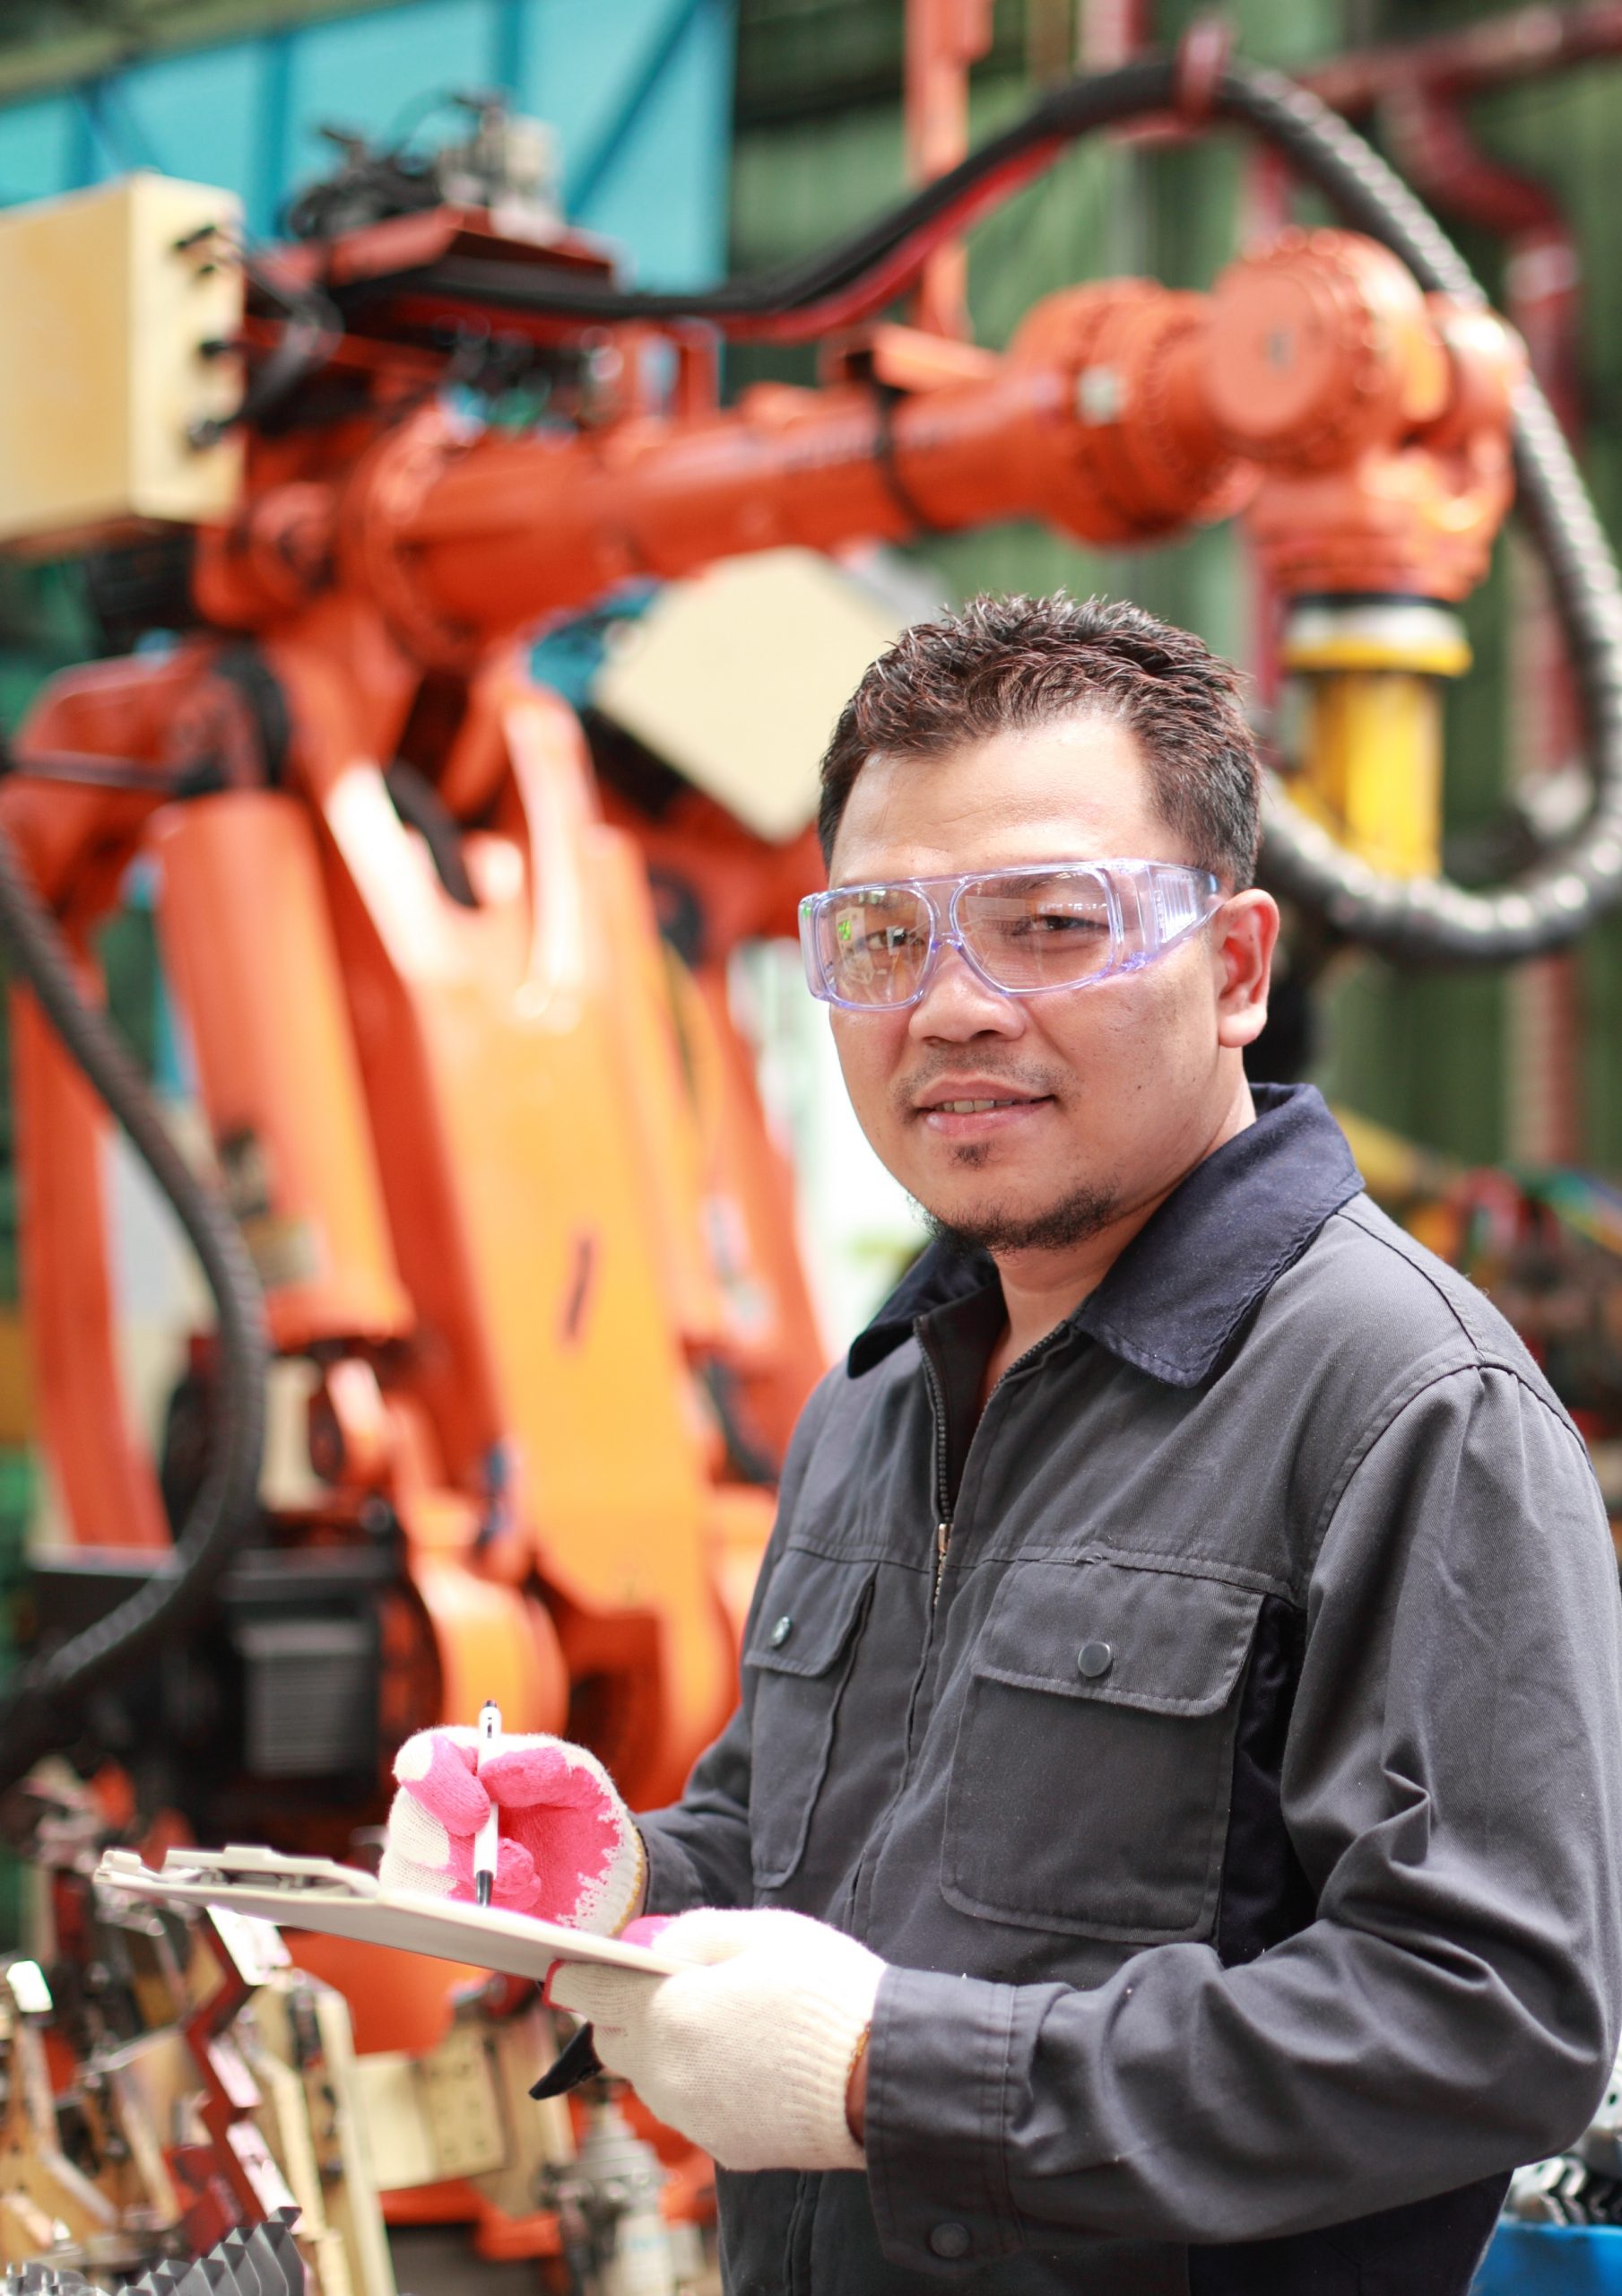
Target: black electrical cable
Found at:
x=312, y=330
x=96, y=770
x=1105, y=99
x=421, y=807
x=40, y=1709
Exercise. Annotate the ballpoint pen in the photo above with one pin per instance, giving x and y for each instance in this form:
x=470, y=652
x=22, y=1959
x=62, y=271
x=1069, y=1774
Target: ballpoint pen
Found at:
x=578, y=2061
x=488, y=1842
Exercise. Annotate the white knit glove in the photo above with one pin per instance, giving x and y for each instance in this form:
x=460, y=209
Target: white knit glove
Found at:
x=749, y=2053
x=568, y=1850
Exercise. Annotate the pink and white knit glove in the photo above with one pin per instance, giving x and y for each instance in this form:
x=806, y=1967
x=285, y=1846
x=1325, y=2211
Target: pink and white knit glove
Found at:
x=750, y=2052
x=567, y=1849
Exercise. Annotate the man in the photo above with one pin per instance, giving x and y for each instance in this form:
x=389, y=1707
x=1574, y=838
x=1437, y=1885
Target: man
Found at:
x=1176, y=1788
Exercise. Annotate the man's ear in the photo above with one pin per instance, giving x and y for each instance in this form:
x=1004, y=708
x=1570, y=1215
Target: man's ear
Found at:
x=1244, y=933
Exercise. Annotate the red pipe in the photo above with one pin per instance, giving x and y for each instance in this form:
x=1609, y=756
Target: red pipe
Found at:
x=1524, y=45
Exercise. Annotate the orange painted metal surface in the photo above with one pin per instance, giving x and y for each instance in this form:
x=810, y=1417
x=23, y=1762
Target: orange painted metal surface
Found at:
x=398, y=2000
x=943, y=39
x=103, y=1470
x=656, y=1057
x=263, y=996
x=494, y=1641
x=504, y=1126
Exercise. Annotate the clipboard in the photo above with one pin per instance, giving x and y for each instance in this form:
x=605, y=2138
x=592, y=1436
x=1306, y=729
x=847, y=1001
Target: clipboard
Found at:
x=343, y=1901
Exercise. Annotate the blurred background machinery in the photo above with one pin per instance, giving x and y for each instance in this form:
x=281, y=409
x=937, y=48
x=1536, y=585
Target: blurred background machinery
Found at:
x=417, y=634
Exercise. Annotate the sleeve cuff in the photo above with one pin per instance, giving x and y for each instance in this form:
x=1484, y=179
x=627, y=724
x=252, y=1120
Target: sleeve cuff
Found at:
x=673, y=1885
x=936, y=2119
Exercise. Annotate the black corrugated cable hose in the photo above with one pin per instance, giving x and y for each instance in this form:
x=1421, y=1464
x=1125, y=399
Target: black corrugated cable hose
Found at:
x=1421, y=920
x=1428, y=919
x=42, y=1708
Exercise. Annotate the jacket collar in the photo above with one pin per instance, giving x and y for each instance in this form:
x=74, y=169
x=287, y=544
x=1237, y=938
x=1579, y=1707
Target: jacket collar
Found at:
x=1177, y=1294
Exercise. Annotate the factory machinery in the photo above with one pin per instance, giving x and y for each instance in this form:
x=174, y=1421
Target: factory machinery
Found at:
x=485, y=1162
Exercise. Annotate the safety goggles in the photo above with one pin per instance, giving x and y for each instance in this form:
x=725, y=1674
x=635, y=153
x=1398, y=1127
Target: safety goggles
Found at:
x=1051, y=924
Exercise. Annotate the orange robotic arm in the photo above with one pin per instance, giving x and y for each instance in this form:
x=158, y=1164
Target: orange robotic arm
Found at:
x=1119, y=412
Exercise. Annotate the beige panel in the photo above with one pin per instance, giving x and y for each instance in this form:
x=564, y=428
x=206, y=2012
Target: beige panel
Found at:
x=463, y=2103
x=736, y=679
x=399, y=2139
x=353, y=2207
x=102, y=314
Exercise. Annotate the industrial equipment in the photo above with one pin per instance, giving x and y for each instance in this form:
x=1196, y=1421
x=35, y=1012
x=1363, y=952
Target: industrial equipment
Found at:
x=262, y=2262
x=486, y=1164
x=166, y=2079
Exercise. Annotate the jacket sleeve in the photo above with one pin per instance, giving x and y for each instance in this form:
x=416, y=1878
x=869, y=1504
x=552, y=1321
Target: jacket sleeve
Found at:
x=1453, y=1785
x=698, y=1848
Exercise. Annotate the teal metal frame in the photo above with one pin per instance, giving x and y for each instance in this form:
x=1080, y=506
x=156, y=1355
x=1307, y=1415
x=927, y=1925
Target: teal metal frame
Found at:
x=640, y=96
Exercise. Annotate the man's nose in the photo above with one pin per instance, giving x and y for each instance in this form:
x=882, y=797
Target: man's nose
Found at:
x=957, y=1004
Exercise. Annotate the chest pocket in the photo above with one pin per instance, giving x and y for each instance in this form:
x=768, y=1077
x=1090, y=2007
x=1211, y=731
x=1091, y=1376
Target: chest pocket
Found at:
x=1093, y=1770
x=799, y=1657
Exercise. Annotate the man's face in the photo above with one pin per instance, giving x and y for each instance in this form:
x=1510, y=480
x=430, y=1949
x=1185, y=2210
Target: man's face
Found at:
x=1106, y=1094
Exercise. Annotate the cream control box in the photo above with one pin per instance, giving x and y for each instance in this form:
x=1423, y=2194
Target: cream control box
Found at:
x=109, y=302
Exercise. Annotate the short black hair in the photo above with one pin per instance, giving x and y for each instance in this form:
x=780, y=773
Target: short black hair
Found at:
x=1001, y=664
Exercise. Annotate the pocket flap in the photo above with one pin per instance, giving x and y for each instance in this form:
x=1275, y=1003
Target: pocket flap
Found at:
x=1168, y=1641
x=811, y=1606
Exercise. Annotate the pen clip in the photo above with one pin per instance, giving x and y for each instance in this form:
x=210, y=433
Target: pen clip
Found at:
x=487, y=1844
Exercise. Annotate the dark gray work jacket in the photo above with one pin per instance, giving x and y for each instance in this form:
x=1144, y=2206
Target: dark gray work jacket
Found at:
x=1237, y=1804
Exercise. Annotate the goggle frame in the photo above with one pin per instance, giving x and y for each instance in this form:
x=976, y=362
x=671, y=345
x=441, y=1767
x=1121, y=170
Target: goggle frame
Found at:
x=942, y=895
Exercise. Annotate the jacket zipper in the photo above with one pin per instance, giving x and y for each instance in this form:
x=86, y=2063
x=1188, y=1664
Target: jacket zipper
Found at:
x=937, y=1398
x=943, y=1513
x=943, y=1534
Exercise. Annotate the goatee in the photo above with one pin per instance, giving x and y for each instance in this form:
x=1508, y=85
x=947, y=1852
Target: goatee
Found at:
x=1085, y=1211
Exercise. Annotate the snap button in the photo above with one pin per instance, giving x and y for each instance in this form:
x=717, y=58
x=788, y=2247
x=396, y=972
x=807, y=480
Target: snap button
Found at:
x=950, y=2240
x=1094, y=1658
x=781, y=1631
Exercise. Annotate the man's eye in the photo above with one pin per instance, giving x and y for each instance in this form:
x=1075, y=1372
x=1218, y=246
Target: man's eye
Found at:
x=1057, y=923
x=882, y=940
x=871, y=939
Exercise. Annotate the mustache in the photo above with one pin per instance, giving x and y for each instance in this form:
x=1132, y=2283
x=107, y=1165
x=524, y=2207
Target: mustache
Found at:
x=1039, y=1083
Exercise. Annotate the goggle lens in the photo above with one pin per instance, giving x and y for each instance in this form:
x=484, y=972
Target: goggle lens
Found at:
x=1040, y=933
x=875, y=945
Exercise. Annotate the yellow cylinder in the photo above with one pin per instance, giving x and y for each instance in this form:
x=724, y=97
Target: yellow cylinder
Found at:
x=1374, y=766
x=1370, y=767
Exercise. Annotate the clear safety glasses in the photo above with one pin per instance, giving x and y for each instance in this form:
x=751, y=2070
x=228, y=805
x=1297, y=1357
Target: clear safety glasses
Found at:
x=1052, y=924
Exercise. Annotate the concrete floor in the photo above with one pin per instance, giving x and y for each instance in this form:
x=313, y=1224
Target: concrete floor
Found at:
x=438, y=2260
